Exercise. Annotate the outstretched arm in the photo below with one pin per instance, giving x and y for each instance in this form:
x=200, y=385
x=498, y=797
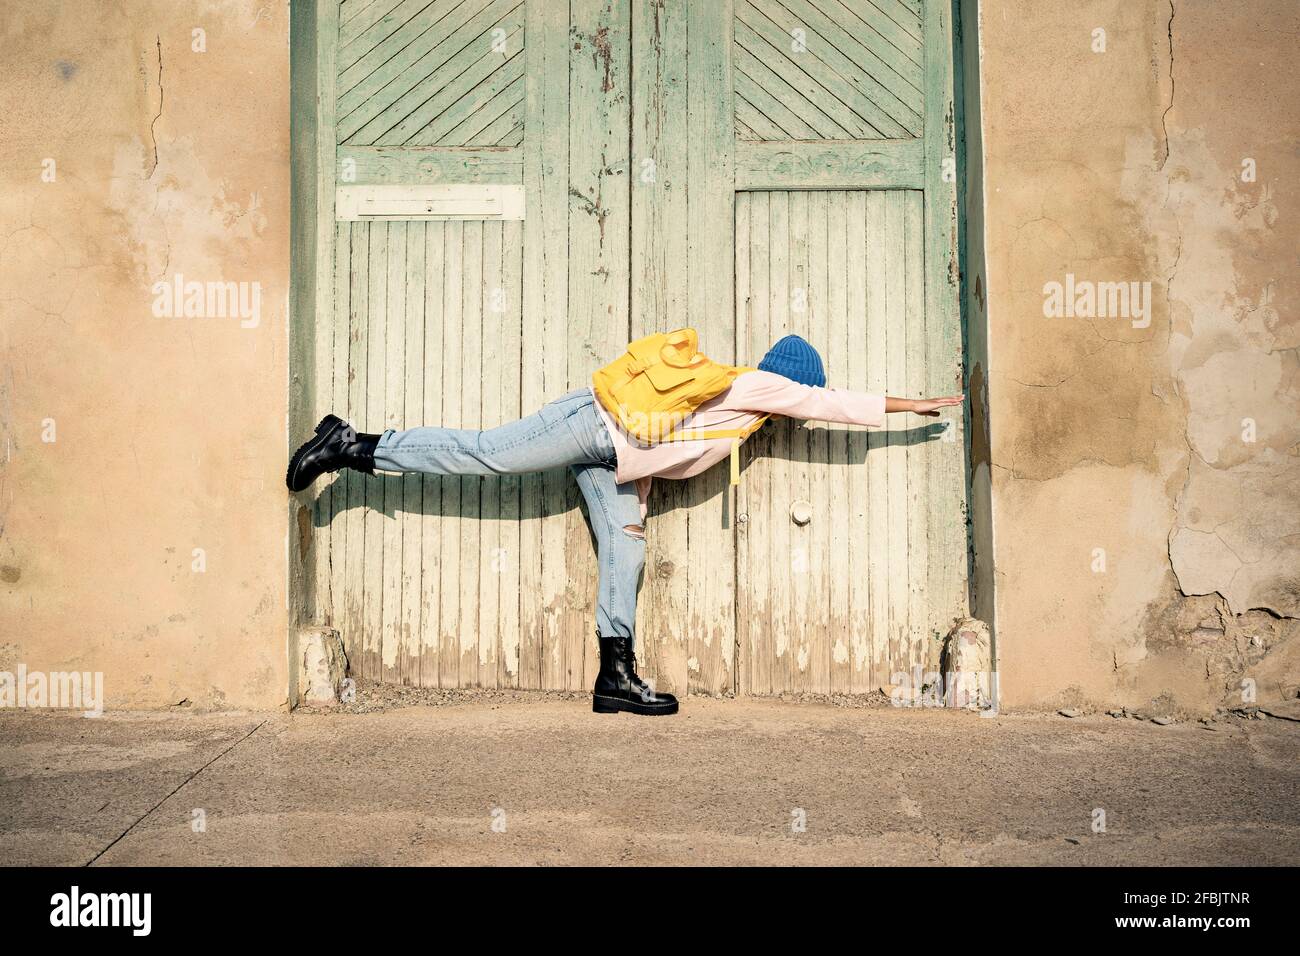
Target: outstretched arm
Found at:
x=777, y=395
x=922, y=406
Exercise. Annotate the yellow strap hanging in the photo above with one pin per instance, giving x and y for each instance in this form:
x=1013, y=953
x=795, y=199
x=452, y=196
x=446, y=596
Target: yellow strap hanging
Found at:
x=735, y=461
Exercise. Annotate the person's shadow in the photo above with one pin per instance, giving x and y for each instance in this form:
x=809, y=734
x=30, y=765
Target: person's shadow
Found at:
x=542, y=494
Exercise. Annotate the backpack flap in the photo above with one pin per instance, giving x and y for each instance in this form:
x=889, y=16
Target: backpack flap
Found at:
x=665, y=378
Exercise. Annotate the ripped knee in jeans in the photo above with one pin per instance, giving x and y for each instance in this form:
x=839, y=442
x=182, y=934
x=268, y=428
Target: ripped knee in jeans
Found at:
x=634, y=531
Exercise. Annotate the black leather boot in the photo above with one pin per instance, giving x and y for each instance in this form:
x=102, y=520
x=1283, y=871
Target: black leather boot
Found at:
x=335, y=445
x=619, y=688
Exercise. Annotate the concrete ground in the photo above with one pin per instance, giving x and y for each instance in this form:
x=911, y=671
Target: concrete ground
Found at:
x=532, y=779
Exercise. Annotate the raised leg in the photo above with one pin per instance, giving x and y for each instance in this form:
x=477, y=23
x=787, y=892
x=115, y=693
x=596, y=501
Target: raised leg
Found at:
x=567, y=431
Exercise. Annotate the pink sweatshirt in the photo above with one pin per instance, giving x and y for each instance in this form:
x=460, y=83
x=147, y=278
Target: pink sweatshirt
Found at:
x=751, y=395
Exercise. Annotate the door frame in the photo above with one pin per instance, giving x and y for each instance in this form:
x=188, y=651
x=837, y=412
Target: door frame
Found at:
x=311, y=175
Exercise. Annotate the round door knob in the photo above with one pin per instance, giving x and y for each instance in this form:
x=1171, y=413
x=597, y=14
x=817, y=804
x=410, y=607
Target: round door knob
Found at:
x=801, y=512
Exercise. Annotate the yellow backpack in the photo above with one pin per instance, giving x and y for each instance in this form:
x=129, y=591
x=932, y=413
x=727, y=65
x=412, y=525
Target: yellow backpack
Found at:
x=662, y=379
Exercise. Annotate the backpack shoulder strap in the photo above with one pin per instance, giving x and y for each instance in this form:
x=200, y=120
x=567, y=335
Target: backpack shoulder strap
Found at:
x=737, y=436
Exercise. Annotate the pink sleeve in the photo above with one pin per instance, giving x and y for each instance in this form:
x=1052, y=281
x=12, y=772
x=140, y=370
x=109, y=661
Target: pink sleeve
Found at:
x=768, y=392
x=643, y=492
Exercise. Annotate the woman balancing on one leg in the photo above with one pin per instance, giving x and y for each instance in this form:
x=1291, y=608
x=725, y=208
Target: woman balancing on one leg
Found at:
x=662, y=410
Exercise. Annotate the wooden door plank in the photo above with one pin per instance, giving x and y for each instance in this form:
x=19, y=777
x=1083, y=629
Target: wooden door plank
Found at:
x=913, y=7
x=358, y=309
x=329, y=277
x=801, y=559
x=450, y=611
x=757, y=481
x=896, y=447
x=919, y=639
x=531, y=487
x=947, y=586
x=362, y=20
x=510, y=350
x=391, y=636
x=375, y=395
x=822, y=566
x=411, y=514
x=751, y=124
x=545, y=291
x=515, y=137
x=599, y=266
x=844, y=524
x=875, y=631
x=492, y=370
x=497, y=118
x=904, y=14
x=711, y=143
x=338, y=523
x=786, y=642
x=433, y=524
x=745, y=554
x=348, y=9
x=659, y=301
x=864, y=370
x=743, y=130
x=809, y=653
x=472, y=487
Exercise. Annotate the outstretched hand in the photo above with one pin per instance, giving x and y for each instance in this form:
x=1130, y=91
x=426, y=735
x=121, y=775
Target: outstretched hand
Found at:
x=929, y=407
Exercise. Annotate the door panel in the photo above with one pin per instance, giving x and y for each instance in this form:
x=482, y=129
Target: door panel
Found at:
x=748, y=167
x=424, y=571
x=846, y=234
x=838, y=604
x=467, y=582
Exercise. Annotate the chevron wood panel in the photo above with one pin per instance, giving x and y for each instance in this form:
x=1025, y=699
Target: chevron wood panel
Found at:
x=431, y=73
x=828, y=70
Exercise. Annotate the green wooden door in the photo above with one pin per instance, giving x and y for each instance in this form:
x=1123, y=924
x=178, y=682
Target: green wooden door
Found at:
x=749, y=168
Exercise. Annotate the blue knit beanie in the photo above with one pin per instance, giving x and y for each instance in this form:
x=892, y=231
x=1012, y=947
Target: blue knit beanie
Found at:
x=795, y=359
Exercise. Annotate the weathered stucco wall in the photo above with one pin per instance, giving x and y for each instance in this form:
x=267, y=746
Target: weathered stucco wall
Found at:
x=1145, y=480
x=130, y=438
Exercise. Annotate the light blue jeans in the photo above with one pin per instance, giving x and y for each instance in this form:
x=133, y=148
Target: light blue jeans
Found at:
x=568, y=431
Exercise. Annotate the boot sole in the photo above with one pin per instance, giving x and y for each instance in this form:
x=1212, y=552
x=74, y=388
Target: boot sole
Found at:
x=323, y=429
x=613, y=705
